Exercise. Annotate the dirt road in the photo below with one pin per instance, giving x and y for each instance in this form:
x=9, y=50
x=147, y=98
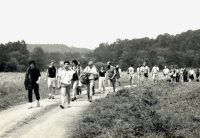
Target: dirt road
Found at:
x=47, y=121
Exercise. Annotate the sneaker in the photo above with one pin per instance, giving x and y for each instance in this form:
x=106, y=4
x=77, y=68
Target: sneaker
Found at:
x=52, y=97
x=61, y=106
x=72, y=99
x=49, y=97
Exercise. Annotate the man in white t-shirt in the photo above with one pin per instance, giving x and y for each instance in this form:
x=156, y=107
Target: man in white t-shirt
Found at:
x=65, y=83
x=154, y=71
x=130, y=72
x=166, y=72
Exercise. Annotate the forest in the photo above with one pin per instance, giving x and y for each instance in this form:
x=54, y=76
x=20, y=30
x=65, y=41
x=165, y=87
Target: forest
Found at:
x=180, y=50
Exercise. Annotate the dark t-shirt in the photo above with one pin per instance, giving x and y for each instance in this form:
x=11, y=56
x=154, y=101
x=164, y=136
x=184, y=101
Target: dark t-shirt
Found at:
x=102, y=73
x=110, y=71
x=52, y=72
x=34, y=75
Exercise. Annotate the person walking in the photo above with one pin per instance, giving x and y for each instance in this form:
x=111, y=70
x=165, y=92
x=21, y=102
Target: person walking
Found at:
x=51, y=77
x=92, y=71
x=118, y=74
x=102, y=74
x=146, y=73
x=59, y=72
x=185, y=75
x=79, y=88
x=110, y=75
x=197, y=75
x=177, y=74
x=32, y=80
x=191, y=75
x=166, y=73
x=130, y=72
x=65, y=80
x=154, y=71
x=75, y=79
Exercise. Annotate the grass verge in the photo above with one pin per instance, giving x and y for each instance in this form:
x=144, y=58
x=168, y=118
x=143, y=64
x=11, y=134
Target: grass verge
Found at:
x=157, y=110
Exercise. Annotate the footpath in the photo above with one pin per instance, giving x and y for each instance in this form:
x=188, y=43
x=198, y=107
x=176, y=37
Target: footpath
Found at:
x=46, y=121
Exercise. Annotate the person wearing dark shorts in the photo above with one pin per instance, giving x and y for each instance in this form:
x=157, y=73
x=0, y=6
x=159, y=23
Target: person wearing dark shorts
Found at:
x=32, y=79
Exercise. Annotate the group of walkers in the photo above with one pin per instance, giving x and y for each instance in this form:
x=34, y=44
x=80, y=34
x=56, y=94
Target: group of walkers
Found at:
x=177, y=74
x=142, y=73
x=69, y=78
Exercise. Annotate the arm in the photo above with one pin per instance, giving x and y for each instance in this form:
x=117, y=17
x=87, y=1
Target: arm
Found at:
x=46, y=75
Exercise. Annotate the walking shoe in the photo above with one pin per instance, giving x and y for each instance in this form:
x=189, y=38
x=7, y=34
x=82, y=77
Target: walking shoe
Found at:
x=49, y=97
x=38, y=104
x=72, y=99
x=75, y=98
x=30, y=107
x=52, y=97
x=61, y=106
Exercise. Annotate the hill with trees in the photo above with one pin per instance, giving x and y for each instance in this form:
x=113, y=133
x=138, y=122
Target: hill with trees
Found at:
x=181, y=50
x=60, y=48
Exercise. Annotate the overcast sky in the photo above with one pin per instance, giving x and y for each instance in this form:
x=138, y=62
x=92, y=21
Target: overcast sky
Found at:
x=87, y=23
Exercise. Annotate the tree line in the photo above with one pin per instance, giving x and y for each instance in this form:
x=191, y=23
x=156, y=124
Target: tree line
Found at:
x=14, y=57
x=181, y=50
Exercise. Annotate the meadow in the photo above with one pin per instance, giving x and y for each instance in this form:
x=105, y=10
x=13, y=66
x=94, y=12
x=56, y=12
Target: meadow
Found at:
x=12, y=90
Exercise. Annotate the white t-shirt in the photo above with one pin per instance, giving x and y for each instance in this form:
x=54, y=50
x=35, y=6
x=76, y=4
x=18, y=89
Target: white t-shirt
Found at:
x=155, y=70
x=146, y=69
x=166, y=71
x=66, y=76
x=92, y=70
x=131, y=70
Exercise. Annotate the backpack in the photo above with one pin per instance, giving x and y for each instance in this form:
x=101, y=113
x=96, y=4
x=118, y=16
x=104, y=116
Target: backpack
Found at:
x=84, y=78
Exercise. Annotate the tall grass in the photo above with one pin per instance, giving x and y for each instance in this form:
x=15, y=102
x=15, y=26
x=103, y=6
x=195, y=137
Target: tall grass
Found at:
x=12, y=90
x=156, y=110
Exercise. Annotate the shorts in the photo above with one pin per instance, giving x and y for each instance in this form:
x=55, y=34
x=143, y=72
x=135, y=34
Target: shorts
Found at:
x=155, y=76
x=146, y=75
x=52, y=82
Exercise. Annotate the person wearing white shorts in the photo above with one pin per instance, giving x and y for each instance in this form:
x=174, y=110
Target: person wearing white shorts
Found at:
x=51, y=75
x=130, y=72
x=154, y=71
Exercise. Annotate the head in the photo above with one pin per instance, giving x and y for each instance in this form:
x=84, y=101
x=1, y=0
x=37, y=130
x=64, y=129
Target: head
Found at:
x=90, y=63
x=102, y=68
x=52, y=62
x=108, y=64
x=66, y=64
x=79, y=64
x=165, y=67
x=32, y=64
x=74, y=62
x=117, y=66
x=144, y=64
x=61, y=63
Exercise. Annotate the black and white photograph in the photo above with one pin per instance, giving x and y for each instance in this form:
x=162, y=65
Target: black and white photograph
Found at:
x=99, y=69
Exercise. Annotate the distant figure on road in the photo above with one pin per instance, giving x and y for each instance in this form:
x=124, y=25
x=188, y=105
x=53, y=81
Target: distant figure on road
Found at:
x=32, y=79
x=65, y=83
x=118, y=74
x=51, y=77
x=154, y=71
x=59, y=71
x=191, y=74
x=79, y=88
x=197, y=75
x=146, y=73
x=185, y=75
x=130, y=72
x=166, y=73
x=138, y=74
x=110, y=75
x=102, y=75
